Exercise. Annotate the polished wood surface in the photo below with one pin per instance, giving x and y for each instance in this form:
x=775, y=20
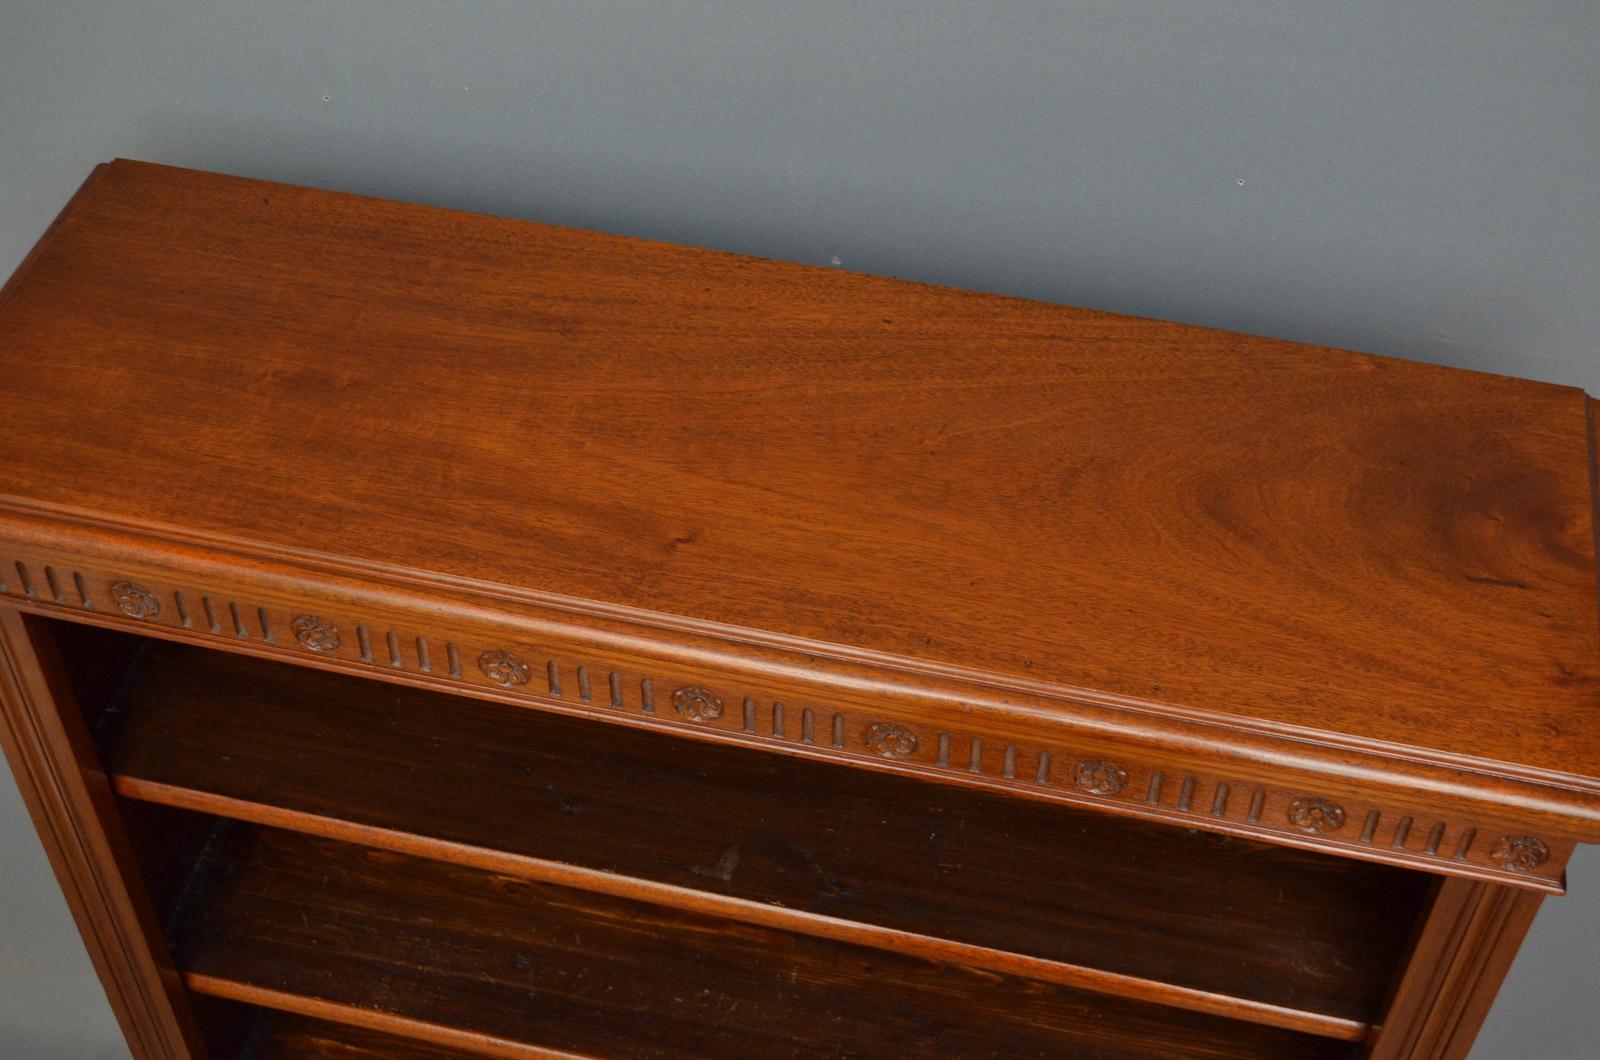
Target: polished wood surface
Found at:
x=792, y=836
x=527, y=962
x=1275, y=533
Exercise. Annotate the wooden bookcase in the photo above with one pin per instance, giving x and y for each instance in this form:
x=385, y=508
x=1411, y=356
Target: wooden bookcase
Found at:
x=433, y=635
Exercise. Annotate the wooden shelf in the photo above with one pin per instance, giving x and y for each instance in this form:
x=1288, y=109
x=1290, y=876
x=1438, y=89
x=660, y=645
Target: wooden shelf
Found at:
x=927, y=869
x=286, y=1036
x=506, y=966
x=255, y=1031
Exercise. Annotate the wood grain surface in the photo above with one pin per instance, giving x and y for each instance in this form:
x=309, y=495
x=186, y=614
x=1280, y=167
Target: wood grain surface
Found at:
x=1279, y=533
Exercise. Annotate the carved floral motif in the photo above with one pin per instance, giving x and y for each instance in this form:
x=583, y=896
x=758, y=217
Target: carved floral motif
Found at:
x=1316, y=816
x=888, y=740
x=1099, y=777
x=1520, y=853
x=135, y=600
x=315, y=634
x=697, y=704
x=503, y=668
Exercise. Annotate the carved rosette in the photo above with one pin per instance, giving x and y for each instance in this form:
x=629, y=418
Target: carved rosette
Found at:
x=1099, y=777
x=888, y=740
x=135, y=600
x=697, y=704
x=503, y=668
x=1316, y=816
x=315, y=634
x=1520, y=853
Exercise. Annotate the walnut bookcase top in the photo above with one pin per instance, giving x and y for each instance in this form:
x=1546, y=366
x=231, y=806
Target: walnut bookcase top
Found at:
x=1337, y=600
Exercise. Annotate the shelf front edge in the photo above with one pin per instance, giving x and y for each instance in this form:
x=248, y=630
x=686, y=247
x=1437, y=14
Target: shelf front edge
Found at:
x=1304, y=789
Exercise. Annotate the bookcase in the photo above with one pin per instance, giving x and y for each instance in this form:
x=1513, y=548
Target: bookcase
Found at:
x=436, y=635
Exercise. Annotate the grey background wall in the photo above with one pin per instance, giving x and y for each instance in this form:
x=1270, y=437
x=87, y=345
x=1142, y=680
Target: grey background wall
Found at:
x=1417, y=179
